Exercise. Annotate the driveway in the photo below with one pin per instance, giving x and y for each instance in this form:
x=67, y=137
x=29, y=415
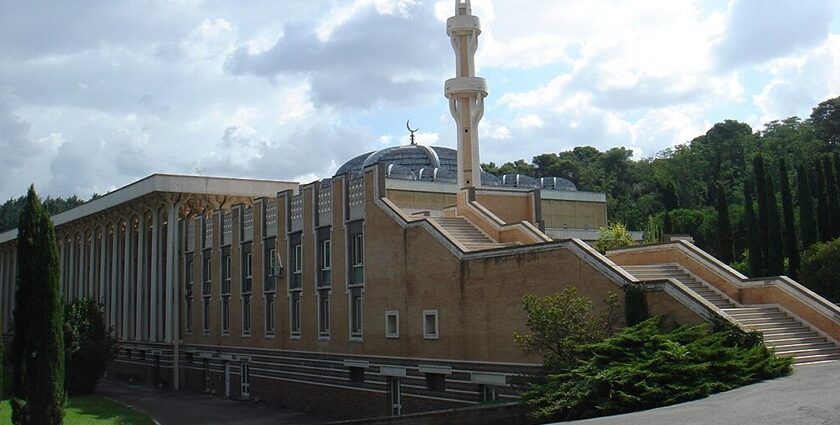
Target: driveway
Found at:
x=189, y=408
x=811, y=396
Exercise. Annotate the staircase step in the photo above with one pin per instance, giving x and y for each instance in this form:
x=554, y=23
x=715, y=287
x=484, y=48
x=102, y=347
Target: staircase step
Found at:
x=803, y=345
x=784, y=320
x=778, y=342
x=813, y=359
x=809, y=352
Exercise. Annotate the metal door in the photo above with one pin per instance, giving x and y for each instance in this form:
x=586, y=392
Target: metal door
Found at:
x=396, y=396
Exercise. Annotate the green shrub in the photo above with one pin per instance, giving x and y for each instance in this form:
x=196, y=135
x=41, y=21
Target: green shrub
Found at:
x=643, y=367
x=821, y=267
x=89, y=346
x=635, y=303
x=613, y=236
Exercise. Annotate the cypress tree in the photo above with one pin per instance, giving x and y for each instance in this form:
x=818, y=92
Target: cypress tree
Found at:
x=837, y=170
x=751, y=231
x=724, y=226
x=667, y=226
x=823, y=211
x=791, y=243
x=807, y=222
x=775, y=250
x=763, y=212
x=38, y=354
x=832, y=194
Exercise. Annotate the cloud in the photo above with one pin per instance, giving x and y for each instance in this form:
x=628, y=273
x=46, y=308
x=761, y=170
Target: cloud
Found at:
x=757, y=31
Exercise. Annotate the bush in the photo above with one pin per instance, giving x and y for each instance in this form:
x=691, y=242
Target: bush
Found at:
x=613, y=236
x=643, y=367
x=561, y=323
x=635, y=303
x=89, y=346
x=821, y=267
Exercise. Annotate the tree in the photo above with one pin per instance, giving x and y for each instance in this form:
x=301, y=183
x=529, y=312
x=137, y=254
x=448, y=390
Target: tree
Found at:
x=38, y=388
x=807, y=222
x=751, y=224
x=791, y=243
x=832, y=193
x=559, y=324
x=820, y=268
x=89, y=346
x=613, y=236
x=775, y=250
x=724, y=226
x=763, y=213
x=826, y=120
x=823, y=209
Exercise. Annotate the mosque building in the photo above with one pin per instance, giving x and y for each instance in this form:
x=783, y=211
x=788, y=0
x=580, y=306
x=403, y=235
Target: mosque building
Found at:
x=393, y=287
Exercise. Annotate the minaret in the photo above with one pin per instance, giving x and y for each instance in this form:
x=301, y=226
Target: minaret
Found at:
x=466, y=92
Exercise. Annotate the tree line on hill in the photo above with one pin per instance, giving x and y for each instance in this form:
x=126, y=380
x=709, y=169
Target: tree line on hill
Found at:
x=754, y=199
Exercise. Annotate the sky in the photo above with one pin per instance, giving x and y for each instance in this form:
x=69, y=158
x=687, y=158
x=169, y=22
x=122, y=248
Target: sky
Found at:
x=95, y=94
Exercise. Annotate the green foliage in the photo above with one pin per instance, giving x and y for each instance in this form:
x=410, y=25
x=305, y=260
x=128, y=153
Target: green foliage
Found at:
x=613, y=236
x=821, y=268
x=559, y=324
x=763, y=213
x=775, y=249
x=635, y=303
x=89, y=346
x=807, y=221
x=832, y=194
x=38, y=347
x=643, y=367
x=93, y=410
x=724, y=226
x=791, y=242
x=654, y=229
x=826, y=120
x=824, y=215
x=11, y=209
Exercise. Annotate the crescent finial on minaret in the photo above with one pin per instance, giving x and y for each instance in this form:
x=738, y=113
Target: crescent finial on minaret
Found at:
x=408, y=126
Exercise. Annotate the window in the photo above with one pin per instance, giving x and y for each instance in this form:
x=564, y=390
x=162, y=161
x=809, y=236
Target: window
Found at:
x=205, y=316
x=324, y=313
x=297, y=265
x=244, y=380
x=326, y=263
x=489, y=393
x=357, y=256
x=430, y=324
x=269, y=314
x=207, y=274
x=247, y=268
x=188, y=275
x=436, y=382
x=357, y=375
x=226, y=273
x=246, y=315
x=356, y=313
x=271, y=272
x=207, y=375
x=392, y=324
x=295, y=312
x=188, y=316
x=225, y=315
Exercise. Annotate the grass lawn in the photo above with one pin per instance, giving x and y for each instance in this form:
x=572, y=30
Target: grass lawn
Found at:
x=90, y=410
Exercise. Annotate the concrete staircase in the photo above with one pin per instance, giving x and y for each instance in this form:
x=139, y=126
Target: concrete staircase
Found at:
x=786, y=334
x=467, y=234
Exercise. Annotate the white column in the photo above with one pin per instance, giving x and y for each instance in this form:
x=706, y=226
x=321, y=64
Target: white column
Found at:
x=81, y=284
x=140, y=285
x=90, y=264
x=71, y=281
x=171, y=269
x=126, y=289
x=103, y=262
x=154, y=304
x=115, y=270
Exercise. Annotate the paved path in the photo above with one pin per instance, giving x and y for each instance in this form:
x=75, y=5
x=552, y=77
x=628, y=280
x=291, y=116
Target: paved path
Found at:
x=190, y=408
x=811, y=396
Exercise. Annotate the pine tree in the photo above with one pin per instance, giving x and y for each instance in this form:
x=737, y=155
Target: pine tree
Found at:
x=775, y=249
x=724, y=226
x=763, y=213
x=823, y=210
x=833, y=195
x=38, y=347
x=837, y=169
x=807, y=222
x=791, y=243
x=753, y=244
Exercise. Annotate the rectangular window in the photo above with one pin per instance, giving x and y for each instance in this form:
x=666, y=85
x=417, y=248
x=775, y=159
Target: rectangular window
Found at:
x=326, y=263
x=188, y=275
x=324, y=313
x=225, y=315
x=207, y=274
x=205, y=316
x=270, y=269
x=435, y=382
x=247, y=268
x=245, y=380
x=188, y=316
x=246, y=315
x=430, y=324
x=269, y=314
x=248, y=264
x=295, y=313
x=226, y=273
x=489, y=393
x=392, y=324
x=297, y=266
x=357, y=256
x=356, y=312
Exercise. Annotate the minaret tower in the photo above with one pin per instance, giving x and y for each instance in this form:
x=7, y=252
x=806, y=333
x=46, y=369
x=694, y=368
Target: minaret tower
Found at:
x=466, y=92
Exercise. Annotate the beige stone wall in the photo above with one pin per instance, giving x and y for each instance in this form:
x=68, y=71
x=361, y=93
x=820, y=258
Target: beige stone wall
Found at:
x=421, y=200
x=573, y=214
x=510, y=207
